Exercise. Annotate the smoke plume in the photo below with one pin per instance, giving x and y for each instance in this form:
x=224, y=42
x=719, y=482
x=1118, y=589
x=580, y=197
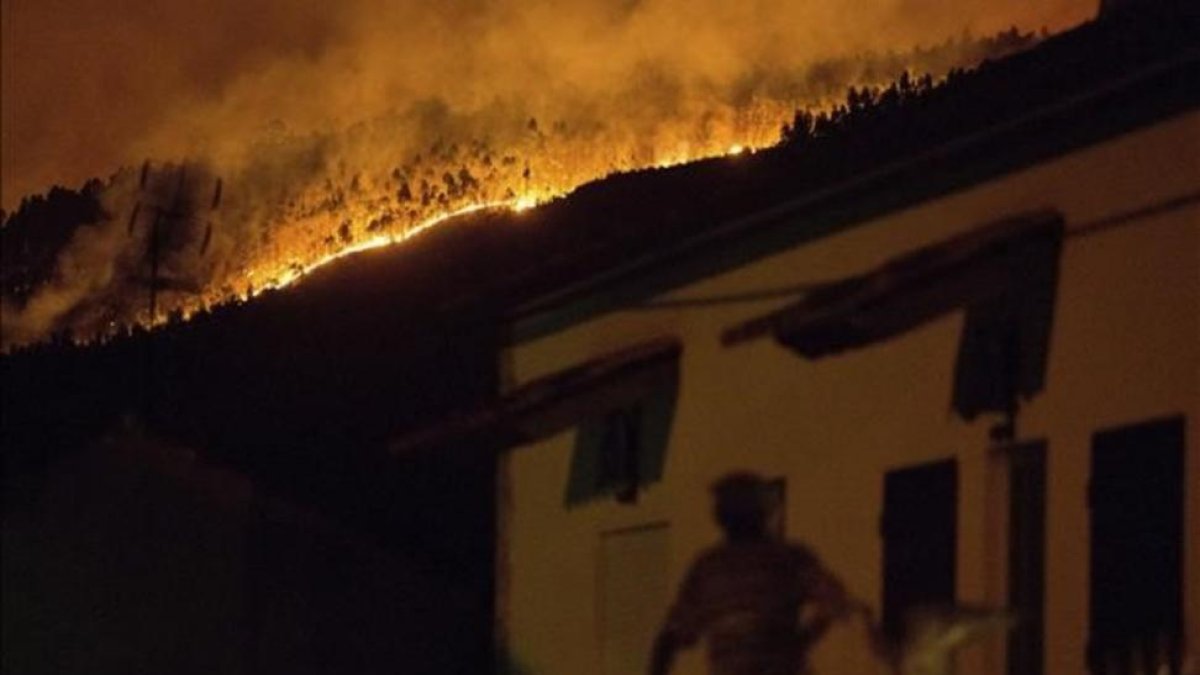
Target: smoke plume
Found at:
x=330, y=124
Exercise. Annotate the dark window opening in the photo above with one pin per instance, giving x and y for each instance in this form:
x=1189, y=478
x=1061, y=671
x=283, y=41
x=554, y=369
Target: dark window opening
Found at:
x=920, y=539
x=621, y=446
x=1136, y=499
x=1026, y=557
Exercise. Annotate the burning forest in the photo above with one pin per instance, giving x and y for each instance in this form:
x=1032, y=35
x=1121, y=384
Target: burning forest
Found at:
x=269, y=190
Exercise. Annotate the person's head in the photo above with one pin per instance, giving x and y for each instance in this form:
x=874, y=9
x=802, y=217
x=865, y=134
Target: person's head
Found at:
x=740, y=505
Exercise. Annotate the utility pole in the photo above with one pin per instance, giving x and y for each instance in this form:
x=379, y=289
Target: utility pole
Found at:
x=168, y=218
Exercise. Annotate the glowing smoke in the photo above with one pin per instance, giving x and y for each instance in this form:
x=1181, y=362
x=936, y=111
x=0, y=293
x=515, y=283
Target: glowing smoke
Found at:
x=332, y=122
x=93, y=84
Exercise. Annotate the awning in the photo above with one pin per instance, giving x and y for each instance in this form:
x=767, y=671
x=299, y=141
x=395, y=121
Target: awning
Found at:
x=551, y=404
x=1004, y=274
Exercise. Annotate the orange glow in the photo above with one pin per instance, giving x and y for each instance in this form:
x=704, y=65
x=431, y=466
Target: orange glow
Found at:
x=296, y=199
x=306, y=238
x=292, y=272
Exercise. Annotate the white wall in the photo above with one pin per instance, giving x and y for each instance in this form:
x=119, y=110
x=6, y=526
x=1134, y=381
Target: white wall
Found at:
x=1126, y=347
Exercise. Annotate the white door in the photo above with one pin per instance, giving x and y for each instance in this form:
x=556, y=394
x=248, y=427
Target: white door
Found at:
x=633, y=595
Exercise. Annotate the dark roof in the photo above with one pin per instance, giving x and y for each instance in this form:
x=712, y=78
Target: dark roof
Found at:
x=557, y=401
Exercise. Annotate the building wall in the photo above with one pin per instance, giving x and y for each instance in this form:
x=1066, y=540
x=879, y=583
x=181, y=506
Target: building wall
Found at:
x=1125, y=348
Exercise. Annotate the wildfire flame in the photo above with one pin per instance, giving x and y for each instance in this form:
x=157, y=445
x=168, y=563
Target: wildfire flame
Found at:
x=294, y=271
x=295, y=201
x=387, y=210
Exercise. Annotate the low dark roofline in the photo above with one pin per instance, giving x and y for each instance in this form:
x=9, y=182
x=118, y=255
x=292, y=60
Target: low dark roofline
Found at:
x=1148, y=96
x=557, y=401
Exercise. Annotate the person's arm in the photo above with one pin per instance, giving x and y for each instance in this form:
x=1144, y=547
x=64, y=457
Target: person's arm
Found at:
x=682, y=626
x=834, y=603
x=827, y=602
x=663, y=653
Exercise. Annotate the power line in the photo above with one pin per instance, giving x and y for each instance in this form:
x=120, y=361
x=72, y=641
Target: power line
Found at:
x=1134, y=215
x=732, y=298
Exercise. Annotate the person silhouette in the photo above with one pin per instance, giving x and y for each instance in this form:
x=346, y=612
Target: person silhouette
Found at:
x=760, y=602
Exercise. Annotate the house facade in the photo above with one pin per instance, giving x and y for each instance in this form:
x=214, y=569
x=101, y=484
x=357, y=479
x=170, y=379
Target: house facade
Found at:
x=986, y=393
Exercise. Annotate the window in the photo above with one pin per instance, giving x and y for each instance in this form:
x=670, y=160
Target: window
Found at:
x=1136, y=499
x=920, y=528
x=620, y=450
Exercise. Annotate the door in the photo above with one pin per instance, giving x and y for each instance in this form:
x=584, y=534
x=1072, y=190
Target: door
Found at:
x=634, y=595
